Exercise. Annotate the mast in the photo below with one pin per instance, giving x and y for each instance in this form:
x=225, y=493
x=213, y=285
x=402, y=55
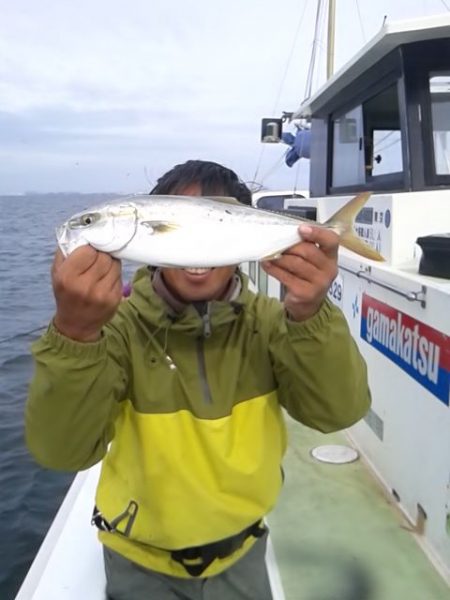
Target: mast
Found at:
x=330, y=38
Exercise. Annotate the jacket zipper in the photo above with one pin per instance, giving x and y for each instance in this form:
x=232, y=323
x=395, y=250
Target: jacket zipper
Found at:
x=207, y=396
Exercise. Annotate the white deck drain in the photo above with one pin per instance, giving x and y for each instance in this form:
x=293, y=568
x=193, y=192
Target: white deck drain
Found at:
x=335, y=454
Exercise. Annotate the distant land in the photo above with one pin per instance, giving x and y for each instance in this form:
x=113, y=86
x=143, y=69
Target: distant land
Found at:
x=58, y=195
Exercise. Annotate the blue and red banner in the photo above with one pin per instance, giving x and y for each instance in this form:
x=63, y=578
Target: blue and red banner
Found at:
x=418, y=349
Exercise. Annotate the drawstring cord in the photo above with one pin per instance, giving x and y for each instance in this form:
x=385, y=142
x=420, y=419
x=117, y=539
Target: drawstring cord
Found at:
x=162, y=350
x=205, y=316
x=167, y=357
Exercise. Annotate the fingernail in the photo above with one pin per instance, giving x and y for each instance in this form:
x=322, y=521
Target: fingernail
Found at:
x=306, y=229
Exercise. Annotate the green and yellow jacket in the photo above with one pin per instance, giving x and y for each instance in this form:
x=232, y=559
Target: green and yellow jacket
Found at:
x=185, y=410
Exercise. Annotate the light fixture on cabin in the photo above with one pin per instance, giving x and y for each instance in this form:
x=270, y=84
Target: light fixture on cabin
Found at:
x=271, y=130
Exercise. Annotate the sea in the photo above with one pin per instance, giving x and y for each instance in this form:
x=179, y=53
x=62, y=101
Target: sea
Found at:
x=29, y=495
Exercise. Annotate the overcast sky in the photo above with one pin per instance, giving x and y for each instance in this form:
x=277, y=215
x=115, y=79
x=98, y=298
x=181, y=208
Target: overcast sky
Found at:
x=106, y=95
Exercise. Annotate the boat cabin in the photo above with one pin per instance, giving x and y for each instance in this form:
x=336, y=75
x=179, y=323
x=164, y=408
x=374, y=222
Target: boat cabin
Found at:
x=382, y=123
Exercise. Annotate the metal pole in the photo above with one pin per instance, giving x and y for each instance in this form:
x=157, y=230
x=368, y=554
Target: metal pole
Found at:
x=330, y=40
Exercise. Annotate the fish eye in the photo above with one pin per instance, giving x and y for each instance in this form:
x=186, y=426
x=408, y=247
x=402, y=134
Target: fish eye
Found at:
x=84, y=220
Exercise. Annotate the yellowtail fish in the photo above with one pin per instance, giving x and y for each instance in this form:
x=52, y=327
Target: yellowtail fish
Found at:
x=192, y=231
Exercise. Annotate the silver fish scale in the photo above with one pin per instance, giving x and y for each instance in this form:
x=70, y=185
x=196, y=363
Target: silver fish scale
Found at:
x=200, y=208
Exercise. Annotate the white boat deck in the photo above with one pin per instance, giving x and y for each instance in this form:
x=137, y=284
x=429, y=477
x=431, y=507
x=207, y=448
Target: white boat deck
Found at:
x=69, y=564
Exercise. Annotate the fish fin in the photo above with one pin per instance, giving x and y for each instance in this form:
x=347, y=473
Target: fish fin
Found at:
x=354, y=243
x=345, y=216
x=160, y=226
x=224, y=199
x=342, y=223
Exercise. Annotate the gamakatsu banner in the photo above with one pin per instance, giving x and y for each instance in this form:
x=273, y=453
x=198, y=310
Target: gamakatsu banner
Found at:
x=420, y=350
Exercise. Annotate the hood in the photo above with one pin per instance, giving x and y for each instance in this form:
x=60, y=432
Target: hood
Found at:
x=156, y=311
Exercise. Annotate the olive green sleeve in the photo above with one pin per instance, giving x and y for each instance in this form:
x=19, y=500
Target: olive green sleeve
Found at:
x=321, y=374
x=74, y=398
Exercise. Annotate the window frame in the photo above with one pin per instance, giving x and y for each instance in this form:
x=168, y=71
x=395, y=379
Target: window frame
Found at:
x=387, y=181
x=431, y=175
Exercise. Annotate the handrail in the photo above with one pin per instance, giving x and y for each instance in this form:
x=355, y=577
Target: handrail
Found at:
x=411, y=296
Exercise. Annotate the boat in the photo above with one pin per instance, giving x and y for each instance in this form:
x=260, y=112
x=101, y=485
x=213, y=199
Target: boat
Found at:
x=364, y=513
x=382, y=124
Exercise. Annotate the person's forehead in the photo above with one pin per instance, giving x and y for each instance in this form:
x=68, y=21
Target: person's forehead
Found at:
x=190, y=189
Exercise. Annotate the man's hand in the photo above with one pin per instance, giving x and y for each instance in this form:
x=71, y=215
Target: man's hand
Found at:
x=307, y=270
x=88, y=289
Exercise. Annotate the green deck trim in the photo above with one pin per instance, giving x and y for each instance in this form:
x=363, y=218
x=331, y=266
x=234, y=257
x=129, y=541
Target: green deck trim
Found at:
x=337, y=535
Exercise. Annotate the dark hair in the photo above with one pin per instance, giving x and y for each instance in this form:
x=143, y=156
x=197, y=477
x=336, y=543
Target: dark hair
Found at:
x=213, y=179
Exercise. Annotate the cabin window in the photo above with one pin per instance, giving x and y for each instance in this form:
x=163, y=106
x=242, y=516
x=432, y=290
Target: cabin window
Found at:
x=270, y=202
x=275, y=202
x=440, y=116
x=348, y=157
x=383, y=140
x=295, y=204
x=385, y=152
x=367, y=143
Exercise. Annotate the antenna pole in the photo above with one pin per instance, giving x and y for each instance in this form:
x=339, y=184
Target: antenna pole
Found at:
x=330, y=39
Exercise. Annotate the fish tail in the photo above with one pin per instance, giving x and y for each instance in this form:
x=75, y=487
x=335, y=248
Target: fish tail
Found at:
x=342, y=222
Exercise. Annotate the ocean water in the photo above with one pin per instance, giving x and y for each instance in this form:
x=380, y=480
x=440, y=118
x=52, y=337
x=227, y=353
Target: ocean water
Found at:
x=29, y=494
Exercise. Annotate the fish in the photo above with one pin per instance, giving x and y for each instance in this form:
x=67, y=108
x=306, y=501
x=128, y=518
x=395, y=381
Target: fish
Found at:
x=198, y=232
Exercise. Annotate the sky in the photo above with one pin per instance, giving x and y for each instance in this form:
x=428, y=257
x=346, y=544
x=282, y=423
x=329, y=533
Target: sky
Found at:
x=107, y=95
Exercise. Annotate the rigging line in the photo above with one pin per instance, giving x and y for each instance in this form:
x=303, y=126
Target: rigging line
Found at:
x=24, y=334
x=446, y=5
x=322, y=51
x=385, y=137
x=312, y=62
x=283, y=79
x=360, y=21
x=254, y=186
x=150, y=183
x=258, y=164
x=389, y=145
x=288, y=62
x=274, y=167
x=309, y=76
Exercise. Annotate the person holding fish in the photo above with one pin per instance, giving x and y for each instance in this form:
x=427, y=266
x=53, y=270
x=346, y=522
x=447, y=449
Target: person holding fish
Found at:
x=180, y=390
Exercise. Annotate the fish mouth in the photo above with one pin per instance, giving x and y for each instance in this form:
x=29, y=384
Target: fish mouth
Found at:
x=64, y=240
